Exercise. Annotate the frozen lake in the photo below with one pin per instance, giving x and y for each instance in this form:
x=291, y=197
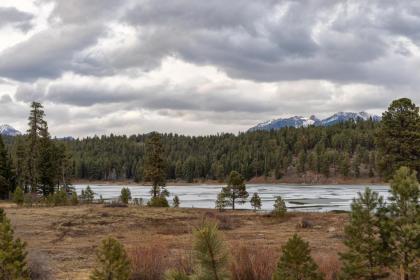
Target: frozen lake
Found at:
x=297, y=197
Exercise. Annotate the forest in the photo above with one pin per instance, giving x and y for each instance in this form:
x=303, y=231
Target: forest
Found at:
x=348, y=150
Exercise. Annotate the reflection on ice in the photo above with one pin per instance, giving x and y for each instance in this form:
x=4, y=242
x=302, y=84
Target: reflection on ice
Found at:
x=297, y=197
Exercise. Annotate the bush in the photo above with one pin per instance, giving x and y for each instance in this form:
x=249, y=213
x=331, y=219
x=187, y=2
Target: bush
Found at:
x=280, y=208
x=125, y=195
x=18, y=196
x=158, y=201
x=74, y=198
x=252, y=262
x=112, y=262
x=87, y=195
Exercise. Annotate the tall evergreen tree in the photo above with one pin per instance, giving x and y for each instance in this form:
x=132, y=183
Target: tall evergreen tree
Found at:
x=398, y=138
x=19, y=163
x=36, y=124
x=12, y=253
x=296, y=262
x=6, y=173
x=367, y=251
x=112, y=262
x=46, y=164
x=235, y=191
x=210, y=253
x=404, y=223
x=154, y=167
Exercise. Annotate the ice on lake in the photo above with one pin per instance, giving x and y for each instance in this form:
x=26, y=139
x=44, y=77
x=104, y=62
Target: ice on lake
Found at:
x=298, y=197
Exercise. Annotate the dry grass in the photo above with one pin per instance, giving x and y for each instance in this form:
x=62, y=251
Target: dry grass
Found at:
x=250, y=262
x=68, y=236
x=329, y=264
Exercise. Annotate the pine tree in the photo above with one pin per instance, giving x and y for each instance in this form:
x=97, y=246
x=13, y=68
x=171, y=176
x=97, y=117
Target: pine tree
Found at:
x=296, y=262
x=154, y=166
x=398, y=138
x=20, y=158
x=87, y=195
x=176, y=202
x=125, y=196
x=235, y=191
x=404, y=222
x=74, y=198
x=6, y=177
x=112, y=262
x=46, y=165
x=12, y=253
x=221, y=201
x=280, y=208
x=36, y=123
x=210, y=253
x=256, y=201
x=366, y=255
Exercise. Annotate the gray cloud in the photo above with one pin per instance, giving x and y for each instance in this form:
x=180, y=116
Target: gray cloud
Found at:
x=317, y=56
x=14, y=17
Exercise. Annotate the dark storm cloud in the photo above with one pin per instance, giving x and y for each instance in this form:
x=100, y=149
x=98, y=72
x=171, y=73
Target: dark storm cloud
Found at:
x=15, y=18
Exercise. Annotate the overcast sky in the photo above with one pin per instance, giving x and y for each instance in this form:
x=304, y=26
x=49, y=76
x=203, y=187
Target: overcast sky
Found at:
x=202, y=67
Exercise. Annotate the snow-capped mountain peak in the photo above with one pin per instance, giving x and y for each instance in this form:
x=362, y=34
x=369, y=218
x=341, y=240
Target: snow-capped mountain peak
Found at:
x=299, y=121
x=8, y=130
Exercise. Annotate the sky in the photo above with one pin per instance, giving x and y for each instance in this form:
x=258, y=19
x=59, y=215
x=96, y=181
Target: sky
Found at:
x=202, y=67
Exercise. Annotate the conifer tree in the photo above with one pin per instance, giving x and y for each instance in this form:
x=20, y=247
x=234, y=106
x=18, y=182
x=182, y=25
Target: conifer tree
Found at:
x=154, y=166
x=256, y=201
x=36, y=123
x=366, y=254
x=398, y=138
x=176, y=202
x=46, y=165
x=210, y=253
x=12, y=253
x=74, y=198
x=221, y=202
x=87, y=195
x=125, y=196
x=235, y=191
x=280, y=208
x=6, y=177
x=296, y=262
x=112, y=262
x=404, y=223
x=19, y=163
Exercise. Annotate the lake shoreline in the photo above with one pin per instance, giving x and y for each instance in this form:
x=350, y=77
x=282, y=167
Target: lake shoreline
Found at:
x=361, y=182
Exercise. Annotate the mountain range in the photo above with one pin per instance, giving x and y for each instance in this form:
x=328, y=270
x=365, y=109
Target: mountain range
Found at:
x=8, y=130
x=299, y=121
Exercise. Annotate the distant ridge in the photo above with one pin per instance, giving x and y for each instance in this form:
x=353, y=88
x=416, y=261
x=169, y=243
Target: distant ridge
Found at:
x=299, y=121
x=8, y=130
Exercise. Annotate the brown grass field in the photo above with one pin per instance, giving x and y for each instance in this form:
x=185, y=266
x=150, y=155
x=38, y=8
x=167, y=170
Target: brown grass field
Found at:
x=62, y=240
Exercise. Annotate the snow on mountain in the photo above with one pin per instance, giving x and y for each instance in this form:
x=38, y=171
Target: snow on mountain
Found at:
x=299, y=121
x=7, y=130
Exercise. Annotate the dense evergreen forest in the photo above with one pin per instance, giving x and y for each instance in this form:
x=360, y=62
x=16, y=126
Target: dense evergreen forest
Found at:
x=346, y=149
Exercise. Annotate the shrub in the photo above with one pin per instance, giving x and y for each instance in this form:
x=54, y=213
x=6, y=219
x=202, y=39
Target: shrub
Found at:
x=252, y=262
x=74, y=198
x=148, y=263
x=87, y=195
x=296, y=262
x=125, y=195
x=18, y=196
x=112, y=262
x=221, y=202
x=280, y=208
x=158, y=201
x=12, y=252
x=174, y=274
